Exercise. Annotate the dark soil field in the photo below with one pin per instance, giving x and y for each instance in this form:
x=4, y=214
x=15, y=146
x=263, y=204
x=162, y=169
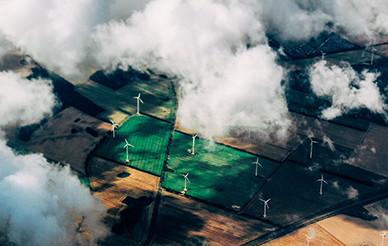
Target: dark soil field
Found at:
x=128, y=195
x=182, y=221
x=156, y=93
x=68, y=137
x=149, y=137
x=294, y=187
x=372, y=154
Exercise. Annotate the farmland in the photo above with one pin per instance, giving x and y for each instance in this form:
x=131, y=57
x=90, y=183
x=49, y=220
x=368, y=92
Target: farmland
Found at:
x=149, y=138
x=157, y=94
x=215, y=172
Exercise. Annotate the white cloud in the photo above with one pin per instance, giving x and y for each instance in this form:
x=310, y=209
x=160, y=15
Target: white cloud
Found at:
x=23, y=101
x=346, y=89
x=55, y=33
x=41, y=203
x=222, y=83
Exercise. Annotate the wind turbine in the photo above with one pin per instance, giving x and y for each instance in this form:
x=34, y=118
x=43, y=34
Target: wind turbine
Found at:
x=194, y=136
x=185, y=176
x=127, y=145
x=265, y=206
x=373, y=52
x=257, y=164
x=308, y=240
x=138, y=99
x=323, y=54
x=383, y=235
x=312, y=142
x=322, y=181
x=114, y=126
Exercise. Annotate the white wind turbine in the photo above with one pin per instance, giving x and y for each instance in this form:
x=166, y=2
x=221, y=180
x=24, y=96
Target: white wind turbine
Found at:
x=312, y=142
x=138, y=100
x=308, y=239
x=192, y=151
x=127, y=145
x=373, y=53
x=114, y=126
x=185, y=176
x=322, y=181
x=257, y=164
x=383, y=235
x=265, y=206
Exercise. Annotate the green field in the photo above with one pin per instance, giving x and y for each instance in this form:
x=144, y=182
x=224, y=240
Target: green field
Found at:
x=148, y=135
x=218, y=174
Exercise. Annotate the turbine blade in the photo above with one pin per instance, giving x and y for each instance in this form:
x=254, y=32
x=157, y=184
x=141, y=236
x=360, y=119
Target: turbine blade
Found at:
x=324, y=181
x=267, y=205
x=141, y=100
x=111, y=121
x=126, y=141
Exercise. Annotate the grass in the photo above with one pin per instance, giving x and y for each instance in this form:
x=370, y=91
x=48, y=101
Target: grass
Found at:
x=150, y=138
x=218, y=174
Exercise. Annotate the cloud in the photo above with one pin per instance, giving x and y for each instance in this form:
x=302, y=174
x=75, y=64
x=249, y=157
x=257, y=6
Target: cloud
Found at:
x=55, y=33
x=303, y=19
x=346, y=89
x=41, y=202
x=23, y=101
x=222, y=83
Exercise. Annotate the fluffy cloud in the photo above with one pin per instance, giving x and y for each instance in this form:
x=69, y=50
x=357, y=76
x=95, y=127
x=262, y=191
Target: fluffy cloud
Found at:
x=346, y=89
x=41, y=203
x=222, y=83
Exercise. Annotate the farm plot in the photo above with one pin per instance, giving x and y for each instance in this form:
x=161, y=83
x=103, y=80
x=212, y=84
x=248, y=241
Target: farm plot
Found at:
x=149, y=138
x=157, y=95
x=217, y=174
x=295, y=194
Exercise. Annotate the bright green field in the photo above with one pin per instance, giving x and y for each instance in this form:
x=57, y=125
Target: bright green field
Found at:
x=148, y=135
x=218, y=174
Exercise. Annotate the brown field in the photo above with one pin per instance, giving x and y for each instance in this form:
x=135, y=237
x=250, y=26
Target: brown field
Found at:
x=351, y=231
x=17, y=63
x=57, y=142
x=182, y=221
x=112, y=190
x=319, y=236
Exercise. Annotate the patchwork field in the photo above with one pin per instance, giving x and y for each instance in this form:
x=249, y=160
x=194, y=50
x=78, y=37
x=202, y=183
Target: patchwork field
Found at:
x=182, y=221
x=294, y=186
x=149, y=138
x=215, y=172
x=156, y=93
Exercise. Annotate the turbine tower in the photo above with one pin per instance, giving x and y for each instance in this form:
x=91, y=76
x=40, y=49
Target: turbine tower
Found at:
x=373, y=52
x=383, y=235
x=185, y=176
x=257, y=164
x=138, y=100
x=322, y=181
x=312, y=142
x=308, y=240
x=114, y=126
x=265, y=206
x=127, y=145
x=192, y=151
